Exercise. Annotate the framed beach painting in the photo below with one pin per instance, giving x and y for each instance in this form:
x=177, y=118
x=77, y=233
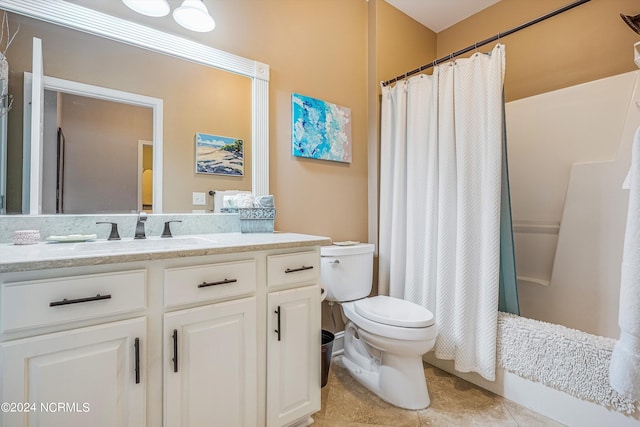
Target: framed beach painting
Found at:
x=320, y=129
x=219, y=155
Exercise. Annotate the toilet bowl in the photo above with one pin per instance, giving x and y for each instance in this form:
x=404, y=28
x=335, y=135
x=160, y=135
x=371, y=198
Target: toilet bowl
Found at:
x=385, y=338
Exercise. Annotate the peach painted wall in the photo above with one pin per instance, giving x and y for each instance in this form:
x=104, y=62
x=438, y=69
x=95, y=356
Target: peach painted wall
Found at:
x=316, y=48
x=586, y=43
x=402, y=44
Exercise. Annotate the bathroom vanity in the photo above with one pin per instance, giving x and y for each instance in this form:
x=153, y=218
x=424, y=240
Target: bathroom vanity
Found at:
x=219, y=329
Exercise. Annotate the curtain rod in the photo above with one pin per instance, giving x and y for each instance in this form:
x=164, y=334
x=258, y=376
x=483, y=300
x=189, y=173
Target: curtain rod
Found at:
x=485, y=42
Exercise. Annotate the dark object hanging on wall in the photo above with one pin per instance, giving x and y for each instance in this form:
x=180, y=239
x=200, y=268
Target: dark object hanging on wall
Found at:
x=632, y=21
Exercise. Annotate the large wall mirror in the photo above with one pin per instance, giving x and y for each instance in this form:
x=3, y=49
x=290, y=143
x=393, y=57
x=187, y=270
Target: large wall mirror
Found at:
x=200, y=90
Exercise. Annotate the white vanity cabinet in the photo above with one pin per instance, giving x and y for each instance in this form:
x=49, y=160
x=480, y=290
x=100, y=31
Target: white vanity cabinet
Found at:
x=294, y=337
x=50, y=379
x=210, y=351
x=204, y=337
x=87, y=376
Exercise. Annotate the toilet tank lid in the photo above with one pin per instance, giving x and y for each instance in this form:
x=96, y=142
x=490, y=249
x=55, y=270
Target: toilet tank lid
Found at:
x=394, y=312
x=335, y=250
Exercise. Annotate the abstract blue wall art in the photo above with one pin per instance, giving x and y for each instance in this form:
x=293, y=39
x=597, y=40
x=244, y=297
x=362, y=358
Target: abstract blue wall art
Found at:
x=219, y=155
x=320, y=130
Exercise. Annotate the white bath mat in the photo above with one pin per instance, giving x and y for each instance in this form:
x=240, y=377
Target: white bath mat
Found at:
x=565, y=359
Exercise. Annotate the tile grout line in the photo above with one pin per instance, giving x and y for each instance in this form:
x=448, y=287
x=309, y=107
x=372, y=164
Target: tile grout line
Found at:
x=506, y=408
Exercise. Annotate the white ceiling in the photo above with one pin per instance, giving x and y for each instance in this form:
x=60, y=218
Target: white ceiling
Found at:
x=438, y=15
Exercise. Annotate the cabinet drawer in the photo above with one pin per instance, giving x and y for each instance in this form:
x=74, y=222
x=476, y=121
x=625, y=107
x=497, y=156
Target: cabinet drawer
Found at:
x=67, y=299
x=200, y=283
x=288, y=269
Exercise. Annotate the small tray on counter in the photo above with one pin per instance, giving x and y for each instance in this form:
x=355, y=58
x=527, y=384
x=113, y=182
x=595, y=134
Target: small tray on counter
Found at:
x=72, y=238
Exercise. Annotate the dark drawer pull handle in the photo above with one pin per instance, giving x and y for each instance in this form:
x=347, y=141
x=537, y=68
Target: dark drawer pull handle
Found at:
x=175, y=350
x=79, y=300
x=277, y=331
x=136, y=349
x=221, y=282
x=303, y=268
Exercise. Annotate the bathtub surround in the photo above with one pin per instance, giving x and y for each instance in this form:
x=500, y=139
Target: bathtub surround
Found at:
x=60, y=225
x=625, y=361
x=440, y=202
x=585, y=174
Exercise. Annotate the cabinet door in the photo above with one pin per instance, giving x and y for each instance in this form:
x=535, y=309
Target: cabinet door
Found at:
x=210, y=361
x=89, y=376
x=293, y=355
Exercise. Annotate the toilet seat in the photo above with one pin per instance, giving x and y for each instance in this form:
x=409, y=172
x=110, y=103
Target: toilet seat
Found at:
x=388, y=331
x=394, y=312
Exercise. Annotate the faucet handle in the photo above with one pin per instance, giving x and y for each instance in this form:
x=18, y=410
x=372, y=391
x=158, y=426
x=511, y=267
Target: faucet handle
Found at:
x=114, y=230
x=140, y=233
x=167, y=229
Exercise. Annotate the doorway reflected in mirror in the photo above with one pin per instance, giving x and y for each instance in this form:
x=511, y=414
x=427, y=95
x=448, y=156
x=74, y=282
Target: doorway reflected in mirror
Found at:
x=78, y=167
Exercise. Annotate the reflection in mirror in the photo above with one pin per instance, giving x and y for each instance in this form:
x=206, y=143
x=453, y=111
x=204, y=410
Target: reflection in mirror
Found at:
x=197, y=99
x=103, y=125
x=83, y=139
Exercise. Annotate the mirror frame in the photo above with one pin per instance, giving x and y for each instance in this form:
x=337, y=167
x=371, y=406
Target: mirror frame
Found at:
x=90, y=21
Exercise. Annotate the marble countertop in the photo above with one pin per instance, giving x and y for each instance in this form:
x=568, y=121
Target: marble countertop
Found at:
x=16, y=258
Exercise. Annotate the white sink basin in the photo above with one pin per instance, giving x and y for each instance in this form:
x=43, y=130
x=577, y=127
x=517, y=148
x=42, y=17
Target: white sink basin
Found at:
x=140, y=245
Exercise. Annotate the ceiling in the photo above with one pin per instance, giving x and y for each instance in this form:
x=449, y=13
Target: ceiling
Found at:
x=438, y=15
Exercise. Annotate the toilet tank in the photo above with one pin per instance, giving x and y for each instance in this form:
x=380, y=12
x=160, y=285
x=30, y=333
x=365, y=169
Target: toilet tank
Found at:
x=346, y=272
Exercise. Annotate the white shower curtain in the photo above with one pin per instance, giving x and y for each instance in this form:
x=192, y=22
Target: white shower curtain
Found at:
x=440, y=189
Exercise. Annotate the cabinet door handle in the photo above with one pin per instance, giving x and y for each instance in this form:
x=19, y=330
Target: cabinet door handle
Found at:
x=221, y=282
x=304, y=267
x=277, y=331
x=175, y=350
x=65, y=301
x=136, y=350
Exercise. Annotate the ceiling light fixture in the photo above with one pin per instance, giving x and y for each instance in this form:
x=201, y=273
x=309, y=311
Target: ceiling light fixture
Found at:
x=193, y=15
x=155, y=8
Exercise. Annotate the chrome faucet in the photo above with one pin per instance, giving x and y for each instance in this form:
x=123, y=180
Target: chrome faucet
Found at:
x=142, y=217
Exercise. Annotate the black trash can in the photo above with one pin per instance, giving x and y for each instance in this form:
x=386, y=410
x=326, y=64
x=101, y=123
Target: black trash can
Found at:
x=327, y=348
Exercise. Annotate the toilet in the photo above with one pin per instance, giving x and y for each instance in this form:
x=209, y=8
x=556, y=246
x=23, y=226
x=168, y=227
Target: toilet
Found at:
x=385, y=338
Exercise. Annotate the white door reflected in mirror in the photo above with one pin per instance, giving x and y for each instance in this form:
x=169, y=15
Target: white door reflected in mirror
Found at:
x=75, y=175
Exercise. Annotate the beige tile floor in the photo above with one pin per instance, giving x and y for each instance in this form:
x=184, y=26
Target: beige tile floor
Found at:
x=454, y=402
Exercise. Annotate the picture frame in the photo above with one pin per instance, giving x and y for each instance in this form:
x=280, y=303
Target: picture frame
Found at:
x=320, y=129
x=219, y=155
